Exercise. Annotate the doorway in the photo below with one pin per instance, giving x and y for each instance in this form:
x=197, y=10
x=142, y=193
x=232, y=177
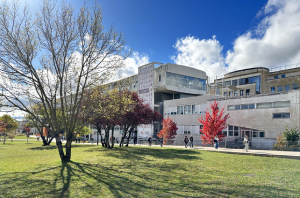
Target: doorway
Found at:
x=246, y=132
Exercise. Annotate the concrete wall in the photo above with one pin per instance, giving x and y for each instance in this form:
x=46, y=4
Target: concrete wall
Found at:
x=260, y=119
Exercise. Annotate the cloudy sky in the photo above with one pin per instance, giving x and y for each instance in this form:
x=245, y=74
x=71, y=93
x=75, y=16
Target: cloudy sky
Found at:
x=215, y=36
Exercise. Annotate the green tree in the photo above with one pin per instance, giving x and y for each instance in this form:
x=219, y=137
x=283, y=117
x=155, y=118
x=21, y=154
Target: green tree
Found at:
x=51, y=58
x=11, y=125
x=291, y=135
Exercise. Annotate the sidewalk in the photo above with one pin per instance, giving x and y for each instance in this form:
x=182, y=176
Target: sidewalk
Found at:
x=263, y=153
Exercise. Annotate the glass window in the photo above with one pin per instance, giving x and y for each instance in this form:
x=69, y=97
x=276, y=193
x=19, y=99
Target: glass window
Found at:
x=230, y=94
x=235, y=93
x=180, y=110
x=236, y=128
x=234, y=82
x=193, y=109
x=272, y=89
x=233, y=130
x=283, y=76
x=281, y=104
x=255, y=134
x=236, y=133
x=287, y=88
x=262, y=134
x=231, y=107
x=279, y=88
x=275, y=77
x=264, y=105
x=159, y=78
x=295, y=86
x=230, y=127
x=281, y=115
x=230, y=133
x=225, y=94
x=227, y=83
x=187, y=109
x=237, y=106
x=244, y=106
x=241, y=92
x=247, y=92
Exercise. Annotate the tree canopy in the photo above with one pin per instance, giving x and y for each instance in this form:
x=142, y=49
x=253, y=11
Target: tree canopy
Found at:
x=51, y=58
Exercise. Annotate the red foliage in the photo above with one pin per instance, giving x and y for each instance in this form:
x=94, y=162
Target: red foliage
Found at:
x=213, y=124
x=168, y=130
x=2, y=127
x=27, y=129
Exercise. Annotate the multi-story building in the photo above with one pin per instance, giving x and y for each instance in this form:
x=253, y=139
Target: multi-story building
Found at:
x=259, y=101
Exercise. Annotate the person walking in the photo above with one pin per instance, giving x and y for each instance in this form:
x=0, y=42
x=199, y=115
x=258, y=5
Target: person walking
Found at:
x=117, y=140
x=150, y=141
x=92, y=140
x=191, y=141
x=246, y=143
x=161, y=142
x=216, y=139
x=186, y=141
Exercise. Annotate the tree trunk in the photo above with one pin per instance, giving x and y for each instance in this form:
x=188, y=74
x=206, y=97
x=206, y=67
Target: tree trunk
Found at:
x=112, y=137
x=4, y=138
x=131, y=128
x=60, y=149
x=67, y=157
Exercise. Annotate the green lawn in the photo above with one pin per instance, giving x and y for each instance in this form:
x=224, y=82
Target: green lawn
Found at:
x=30, y=170
x=21, y=137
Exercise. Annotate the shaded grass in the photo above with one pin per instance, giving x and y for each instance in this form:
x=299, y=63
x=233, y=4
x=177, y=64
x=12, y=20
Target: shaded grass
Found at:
x=30, y=170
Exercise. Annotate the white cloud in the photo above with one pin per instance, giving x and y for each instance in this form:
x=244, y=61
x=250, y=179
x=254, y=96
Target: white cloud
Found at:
x=203, y=54
x=277, y=42
x=274, y=42
x=131, y=65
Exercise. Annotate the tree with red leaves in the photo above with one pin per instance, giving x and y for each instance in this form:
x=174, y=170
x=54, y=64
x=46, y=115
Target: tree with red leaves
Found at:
x=3, y=126
x=213, y=124
x=168, y=131
x=140, y=113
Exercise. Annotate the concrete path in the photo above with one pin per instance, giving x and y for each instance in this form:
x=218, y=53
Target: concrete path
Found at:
x=264, y=153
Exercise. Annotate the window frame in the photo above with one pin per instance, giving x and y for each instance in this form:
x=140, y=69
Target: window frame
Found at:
x=281, y=113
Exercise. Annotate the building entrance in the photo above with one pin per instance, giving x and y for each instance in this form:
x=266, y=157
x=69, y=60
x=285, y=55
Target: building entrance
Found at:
x=246, y=132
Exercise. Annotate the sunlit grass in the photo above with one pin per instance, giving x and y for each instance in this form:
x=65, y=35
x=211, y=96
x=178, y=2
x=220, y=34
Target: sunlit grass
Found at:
x=30, y=170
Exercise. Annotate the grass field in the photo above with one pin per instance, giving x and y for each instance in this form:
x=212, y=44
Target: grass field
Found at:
x=30, y=170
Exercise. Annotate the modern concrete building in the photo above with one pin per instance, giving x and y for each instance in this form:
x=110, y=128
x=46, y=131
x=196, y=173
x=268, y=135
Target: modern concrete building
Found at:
x=170, y=81
x=260, y=104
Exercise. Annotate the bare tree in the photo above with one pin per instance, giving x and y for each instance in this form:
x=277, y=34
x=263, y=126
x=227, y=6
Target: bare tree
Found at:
x=52, y=58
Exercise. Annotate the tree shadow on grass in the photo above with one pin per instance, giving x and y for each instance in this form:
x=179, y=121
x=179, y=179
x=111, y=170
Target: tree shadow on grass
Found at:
x=140, y=153
x=50, y=147
x=76, y=179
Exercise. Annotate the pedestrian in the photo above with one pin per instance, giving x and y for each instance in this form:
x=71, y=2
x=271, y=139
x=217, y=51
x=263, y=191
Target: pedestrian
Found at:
x=186, y=141
x=161, y=141
x=134, y=140
x=191, y=141
x=216, y=139
x=79, y=139
x=150, y=141
x=117, y=140
x=83, y=139
x=246, y=142
x=92, y=140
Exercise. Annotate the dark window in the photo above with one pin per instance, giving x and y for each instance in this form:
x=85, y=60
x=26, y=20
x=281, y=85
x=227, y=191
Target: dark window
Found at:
x=283, y=76
x=281, y=115
x=236, y=133
x=247, y=92
x=287, y=88
x=241, y=92
x=230, y=94
x=235, y=93
x=279, y=88
x=251, y=106
x=224, y=132
x=234, y=82
x=262, y=134
x=230, y=127
x=159, y=78
x=272, y=89
x=236, y=128
x=230, y=133
x=225, y=94
x=295, y=86
x=275, y=77
x=237, y=107
x=255, y=134
x=244, y=107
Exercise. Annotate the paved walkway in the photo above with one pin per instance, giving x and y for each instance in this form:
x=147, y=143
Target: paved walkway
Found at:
x=264, y=153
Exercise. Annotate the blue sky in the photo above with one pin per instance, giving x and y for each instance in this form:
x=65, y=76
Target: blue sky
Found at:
x=215, y=36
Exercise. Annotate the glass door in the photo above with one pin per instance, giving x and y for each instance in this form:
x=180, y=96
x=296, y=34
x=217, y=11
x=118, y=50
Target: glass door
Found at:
x=246, y=132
